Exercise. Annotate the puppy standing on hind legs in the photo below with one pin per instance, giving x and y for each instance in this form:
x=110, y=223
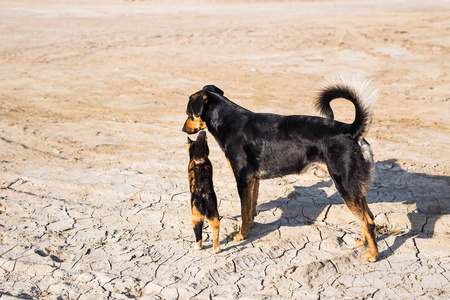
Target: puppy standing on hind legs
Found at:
x=262, y=146
x=203, y=197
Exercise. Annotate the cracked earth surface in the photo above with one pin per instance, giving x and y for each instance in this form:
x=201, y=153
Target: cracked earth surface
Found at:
x=94, y=198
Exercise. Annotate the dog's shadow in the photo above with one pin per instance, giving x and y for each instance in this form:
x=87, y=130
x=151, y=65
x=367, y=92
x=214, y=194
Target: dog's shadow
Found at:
x=425, y=196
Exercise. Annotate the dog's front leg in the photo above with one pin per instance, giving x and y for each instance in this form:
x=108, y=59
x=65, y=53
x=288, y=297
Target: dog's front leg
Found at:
x=255, y=192
x=245, y=189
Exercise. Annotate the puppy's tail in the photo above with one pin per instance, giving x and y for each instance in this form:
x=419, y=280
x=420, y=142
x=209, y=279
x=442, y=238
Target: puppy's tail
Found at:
x=358, y=90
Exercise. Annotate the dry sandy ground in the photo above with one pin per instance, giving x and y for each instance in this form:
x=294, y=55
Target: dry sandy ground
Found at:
x=94, y=199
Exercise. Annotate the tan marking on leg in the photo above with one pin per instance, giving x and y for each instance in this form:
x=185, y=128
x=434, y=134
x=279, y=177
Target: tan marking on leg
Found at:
x=215, y=225
x=246, y=211
x=250, y=202
x=371, y=254
x=229, y=165
x=197, y=218
x=255, y=198
x=368, y=226
x=191, y=174
x=362, y=241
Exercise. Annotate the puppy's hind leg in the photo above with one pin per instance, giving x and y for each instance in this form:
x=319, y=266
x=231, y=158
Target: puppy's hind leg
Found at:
x=215, y=225
x=197, y=223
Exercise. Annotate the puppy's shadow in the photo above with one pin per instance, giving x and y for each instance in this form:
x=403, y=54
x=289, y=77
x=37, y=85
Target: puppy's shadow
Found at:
x=428, y=197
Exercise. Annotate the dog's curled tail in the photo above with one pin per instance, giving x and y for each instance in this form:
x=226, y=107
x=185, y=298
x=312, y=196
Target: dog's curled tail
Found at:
x=358, y=90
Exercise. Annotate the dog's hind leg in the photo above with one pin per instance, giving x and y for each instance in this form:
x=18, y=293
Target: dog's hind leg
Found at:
x=362, y=241
x=197, y=223
x=360, y=210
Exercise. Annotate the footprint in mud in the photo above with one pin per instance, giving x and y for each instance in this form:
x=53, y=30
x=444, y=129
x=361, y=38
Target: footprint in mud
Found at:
x=55, y=253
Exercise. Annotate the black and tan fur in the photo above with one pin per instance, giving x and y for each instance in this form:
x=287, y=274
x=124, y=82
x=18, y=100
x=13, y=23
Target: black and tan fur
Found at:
x=203, y=197
x=261, y=145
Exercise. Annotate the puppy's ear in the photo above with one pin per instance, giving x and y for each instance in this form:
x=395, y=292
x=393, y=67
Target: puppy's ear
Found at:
x=213, y=88
x=191, y=148
x=196, y=102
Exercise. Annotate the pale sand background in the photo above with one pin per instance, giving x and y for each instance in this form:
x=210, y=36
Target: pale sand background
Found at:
x=93, y=163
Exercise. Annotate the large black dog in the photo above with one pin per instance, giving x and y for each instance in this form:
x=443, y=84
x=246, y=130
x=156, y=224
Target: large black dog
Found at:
x=261, y=145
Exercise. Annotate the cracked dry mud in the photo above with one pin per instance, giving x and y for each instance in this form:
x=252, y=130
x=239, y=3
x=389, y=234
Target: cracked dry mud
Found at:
x=94, y=198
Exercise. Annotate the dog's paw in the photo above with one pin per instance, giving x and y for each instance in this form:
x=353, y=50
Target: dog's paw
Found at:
x=369, y=256
x=217, y=250
x=237, y=236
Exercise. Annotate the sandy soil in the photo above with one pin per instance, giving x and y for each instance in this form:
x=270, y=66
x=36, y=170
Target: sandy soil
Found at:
x=93, y=97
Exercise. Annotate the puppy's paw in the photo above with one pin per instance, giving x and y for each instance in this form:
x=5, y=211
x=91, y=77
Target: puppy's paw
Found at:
x=217, y=250
x=198, y=246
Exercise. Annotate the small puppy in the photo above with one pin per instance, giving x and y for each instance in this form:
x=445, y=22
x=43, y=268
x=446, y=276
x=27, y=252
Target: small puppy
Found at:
x=203, y=198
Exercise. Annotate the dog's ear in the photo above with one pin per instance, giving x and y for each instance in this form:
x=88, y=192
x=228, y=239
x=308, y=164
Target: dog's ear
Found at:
x=196, y=102
x=213, y=88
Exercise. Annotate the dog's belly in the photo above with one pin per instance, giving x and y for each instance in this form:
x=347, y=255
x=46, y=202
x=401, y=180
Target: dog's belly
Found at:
x=284, y=161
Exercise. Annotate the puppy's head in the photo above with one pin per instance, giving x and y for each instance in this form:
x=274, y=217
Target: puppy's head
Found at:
x=195, y=108
x=198, y=149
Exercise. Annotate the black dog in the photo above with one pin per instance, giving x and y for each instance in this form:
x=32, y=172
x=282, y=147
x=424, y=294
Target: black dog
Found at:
x=261, y=145
x=203, y=198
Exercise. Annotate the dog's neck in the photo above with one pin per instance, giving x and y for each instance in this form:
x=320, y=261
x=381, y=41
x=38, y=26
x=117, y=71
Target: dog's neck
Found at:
x=226, y=111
